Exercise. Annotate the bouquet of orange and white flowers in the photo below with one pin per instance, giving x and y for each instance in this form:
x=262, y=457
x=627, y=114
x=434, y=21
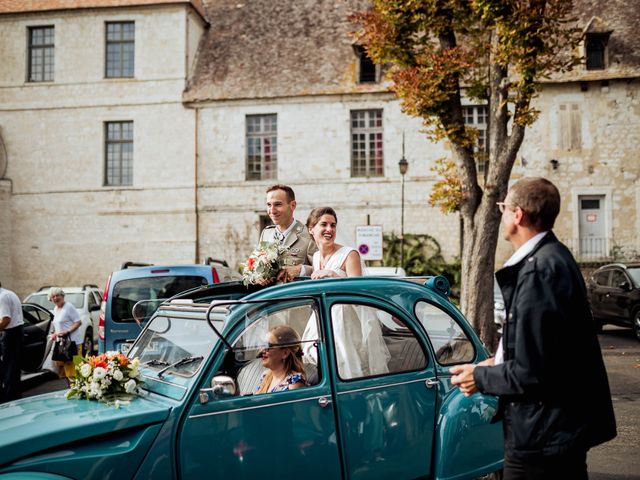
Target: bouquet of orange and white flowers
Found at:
x=110, y=377
x=264, y=263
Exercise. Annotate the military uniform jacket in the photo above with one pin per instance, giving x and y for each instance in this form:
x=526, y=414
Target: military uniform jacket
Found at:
x=300, y=244
x=553, y=390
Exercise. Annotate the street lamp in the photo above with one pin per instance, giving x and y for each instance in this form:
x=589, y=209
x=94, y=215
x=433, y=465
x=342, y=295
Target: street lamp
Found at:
x=403, y=165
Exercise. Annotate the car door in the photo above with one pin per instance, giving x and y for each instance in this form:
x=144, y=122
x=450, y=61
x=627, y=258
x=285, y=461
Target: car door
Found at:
x=93, y=302
x=262, y=435
x=37, y=322
x=598, y=290
x=385, y=391
x=619, y=296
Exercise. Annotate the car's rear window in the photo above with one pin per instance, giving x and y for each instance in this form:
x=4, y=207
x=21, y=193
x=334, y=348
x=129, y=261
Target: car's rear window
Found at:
x=75, y=299
x=635, y=274
x=127, y=293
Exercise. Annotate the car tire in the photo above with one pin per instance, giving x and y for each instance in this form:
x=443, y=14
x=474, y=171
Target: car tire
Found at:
x=635, y=320
x=87, y=343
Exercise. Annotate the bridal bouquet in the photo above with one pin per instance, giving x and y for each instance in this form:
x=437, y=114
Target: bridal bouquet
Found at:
x=264, y=263
x=110, y=378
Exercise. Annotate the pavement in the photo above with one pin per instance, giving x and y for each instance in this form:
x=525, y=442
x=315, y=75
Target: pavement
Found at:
x=618, y=459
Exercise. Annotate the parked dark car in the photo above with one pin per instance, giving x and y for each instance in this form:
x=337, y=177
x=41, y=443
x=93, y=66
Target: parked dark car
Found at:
x=614, y=293
x=35, y=338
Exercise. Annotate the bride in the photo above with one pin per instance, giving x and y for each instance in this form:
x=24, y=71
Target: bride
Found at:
x=360, y=348
x=331, y=259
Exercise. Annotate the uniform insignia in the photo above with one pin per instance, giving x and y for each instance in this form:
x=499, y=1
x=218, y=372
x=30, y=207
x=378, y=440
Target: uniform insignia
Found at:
x=294, y=252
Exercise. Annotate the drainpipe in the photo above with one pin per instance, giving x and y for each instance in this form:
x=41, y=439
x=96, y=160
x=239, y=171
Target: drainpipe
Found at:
x=195, y=188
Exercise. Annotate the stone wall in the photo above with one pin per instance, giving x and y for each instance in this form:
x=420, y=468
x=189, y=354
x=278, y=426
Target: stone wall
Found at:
x=67, y=227
x=314, y=157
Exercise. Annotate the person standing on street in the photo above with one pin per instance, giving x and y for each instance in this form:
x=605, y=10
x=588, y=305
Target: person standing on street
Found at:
x=11, y=322
x=548, y=372
x=281, y=203
x=66, y=322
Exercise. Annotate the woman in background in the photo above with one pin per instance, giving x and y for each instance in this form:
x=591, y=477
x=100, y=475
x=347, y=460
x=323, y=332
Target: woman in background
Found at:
x=66, y=321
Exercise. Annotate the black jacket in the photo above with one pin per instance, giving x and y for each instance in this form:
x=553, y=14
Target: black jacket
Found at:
x=553, y=390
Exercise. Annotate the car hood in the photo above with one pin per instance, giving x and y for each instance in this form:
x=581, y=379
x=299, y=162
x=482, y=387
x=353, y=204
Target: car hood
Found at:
x=46, y=421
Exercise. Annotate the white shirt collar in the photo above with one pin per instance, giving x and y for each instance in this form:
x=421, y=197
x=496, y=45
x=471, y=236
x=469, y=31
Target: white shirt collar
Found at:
x=289, y=228
x=525, y=249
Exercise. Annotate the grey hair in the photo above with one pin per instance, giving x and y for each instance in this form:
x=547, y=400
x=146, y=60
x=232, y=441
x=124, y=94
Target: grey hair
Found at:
x=55, y=291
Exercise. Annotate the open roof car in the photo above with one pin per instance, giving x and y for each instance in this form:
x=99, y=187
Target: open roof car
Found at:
x=378, y=401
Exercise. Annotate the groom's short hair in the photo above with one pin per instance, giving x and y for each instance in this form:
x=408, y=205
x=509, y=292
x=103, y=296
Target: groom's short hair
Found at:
x=285, y=188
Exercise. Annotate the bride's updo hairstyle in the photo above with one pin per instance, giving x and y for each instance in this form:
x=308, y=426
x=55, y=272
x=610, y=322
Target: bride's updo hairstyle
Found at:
x=317, y=213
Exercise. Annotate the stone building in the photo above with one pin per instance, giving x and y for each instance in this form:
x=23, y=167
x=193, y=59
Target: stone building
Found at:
x=99, y=152
x=148, y=130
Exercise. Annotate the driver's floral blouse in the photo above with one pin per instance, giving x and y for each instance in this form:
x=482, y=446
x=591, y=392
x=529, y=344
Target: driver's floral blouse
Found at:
x=284, y=385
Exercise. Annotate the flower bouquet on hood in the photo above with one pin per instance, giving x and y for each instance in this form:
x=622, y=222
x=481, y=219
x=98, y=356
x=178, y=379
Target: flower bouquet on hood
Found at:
x=264, y=263
x=111, y=378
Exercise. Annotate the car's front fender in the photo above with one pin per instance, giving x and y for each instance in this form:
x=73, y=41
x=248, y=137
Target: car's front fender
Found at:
x=467, y=444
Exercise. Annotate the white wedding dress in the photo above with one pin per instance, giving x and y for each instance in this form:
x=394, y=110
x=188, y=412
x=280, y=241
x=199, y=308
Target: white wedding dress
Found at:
x=360, y=348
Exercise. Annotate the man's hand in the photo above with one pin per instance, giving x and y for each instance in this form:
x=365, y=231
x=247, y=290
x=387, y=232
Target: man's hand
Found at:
x=463, y=378
x=289, y=273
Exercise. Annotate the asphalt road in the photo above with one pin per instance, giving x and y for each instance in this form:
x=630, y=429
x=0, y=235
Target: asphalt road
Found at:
x=618, y=459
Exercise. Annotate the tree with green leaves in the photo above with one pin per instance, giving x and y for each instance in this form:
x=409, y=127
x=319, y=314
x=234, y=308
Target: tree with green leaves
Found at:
x=491, y=52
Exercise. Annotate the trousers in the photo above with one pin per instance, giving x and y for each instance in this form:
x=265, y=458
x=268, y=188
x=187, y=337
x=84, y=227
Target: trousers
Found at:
x=10, y=350
x=563, y=467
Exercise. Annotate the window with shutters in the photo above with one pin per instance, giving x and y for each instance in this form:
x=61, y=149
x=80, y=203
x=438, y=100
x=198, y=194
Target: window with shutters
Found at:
x=570, y=127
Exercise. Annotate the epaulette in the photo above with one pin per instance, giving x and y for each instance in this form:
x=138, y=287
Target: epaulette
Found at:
x=269, y=226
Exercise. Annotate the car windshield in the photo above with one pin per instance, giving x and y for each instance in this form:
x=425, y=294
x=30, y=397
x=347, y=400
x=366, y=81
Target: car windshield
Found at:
x=174, y=346
x=635, y=275
x=127, y=293
x=75, y=299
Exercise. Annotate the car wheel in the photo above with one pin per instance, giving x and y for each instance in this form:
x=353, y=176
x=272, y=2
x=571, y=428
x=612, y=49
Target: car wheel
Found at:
x=636, y=323
x=87, y=343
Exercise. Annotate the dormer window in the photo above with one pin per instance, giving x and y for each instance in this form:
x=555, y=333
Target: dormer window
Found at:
x=368, y=71
x=596, y=50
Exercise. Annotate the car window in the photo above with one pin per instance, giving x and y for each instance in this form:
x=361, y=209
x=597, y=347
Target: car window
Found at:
x=617, y=277
x=450, y=343
x=602, y=278
x=34, y=316
x=75, y=299
x=369, y=341
x=92, y=300
x=246, y=363
x=635, y=275
x=127, y=293
x=40, y=299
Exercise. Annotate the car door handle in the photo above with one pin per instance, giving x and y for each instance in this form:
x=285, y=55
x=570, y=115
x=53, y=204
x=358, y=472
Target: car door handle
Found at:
x=324, y=402
x=431, y=382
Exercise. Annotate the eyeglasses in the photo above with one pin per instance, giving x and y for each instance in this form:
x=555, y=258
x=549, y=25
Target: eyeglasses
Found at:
x=502, y=206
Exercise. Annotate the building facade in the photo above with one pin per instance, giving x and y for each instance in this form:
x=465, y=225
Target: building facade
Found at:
x=166, y=158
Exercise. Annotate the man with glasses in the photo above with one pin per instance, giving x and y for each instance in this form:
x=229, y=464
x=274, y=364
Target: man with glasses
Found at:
x=548, y=372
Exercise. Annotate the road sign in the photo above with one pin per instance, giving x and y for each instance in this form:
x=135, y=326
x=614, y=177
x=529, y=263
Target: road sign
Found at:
x=369, y=241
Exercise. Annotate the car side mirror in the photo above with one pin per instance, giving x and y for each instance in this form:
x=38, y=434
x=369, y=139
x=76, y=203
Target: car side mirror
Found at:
x=222, y=386
x=625, y=286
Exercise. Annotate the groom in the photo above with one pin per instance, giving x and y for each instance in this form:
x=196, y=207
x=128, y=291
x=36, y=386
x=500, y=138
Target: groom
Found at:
x=281, y=203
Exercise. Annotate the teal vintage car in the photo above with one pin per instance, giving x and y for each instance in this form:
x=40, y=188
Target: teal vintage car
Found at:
x=378, y=404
